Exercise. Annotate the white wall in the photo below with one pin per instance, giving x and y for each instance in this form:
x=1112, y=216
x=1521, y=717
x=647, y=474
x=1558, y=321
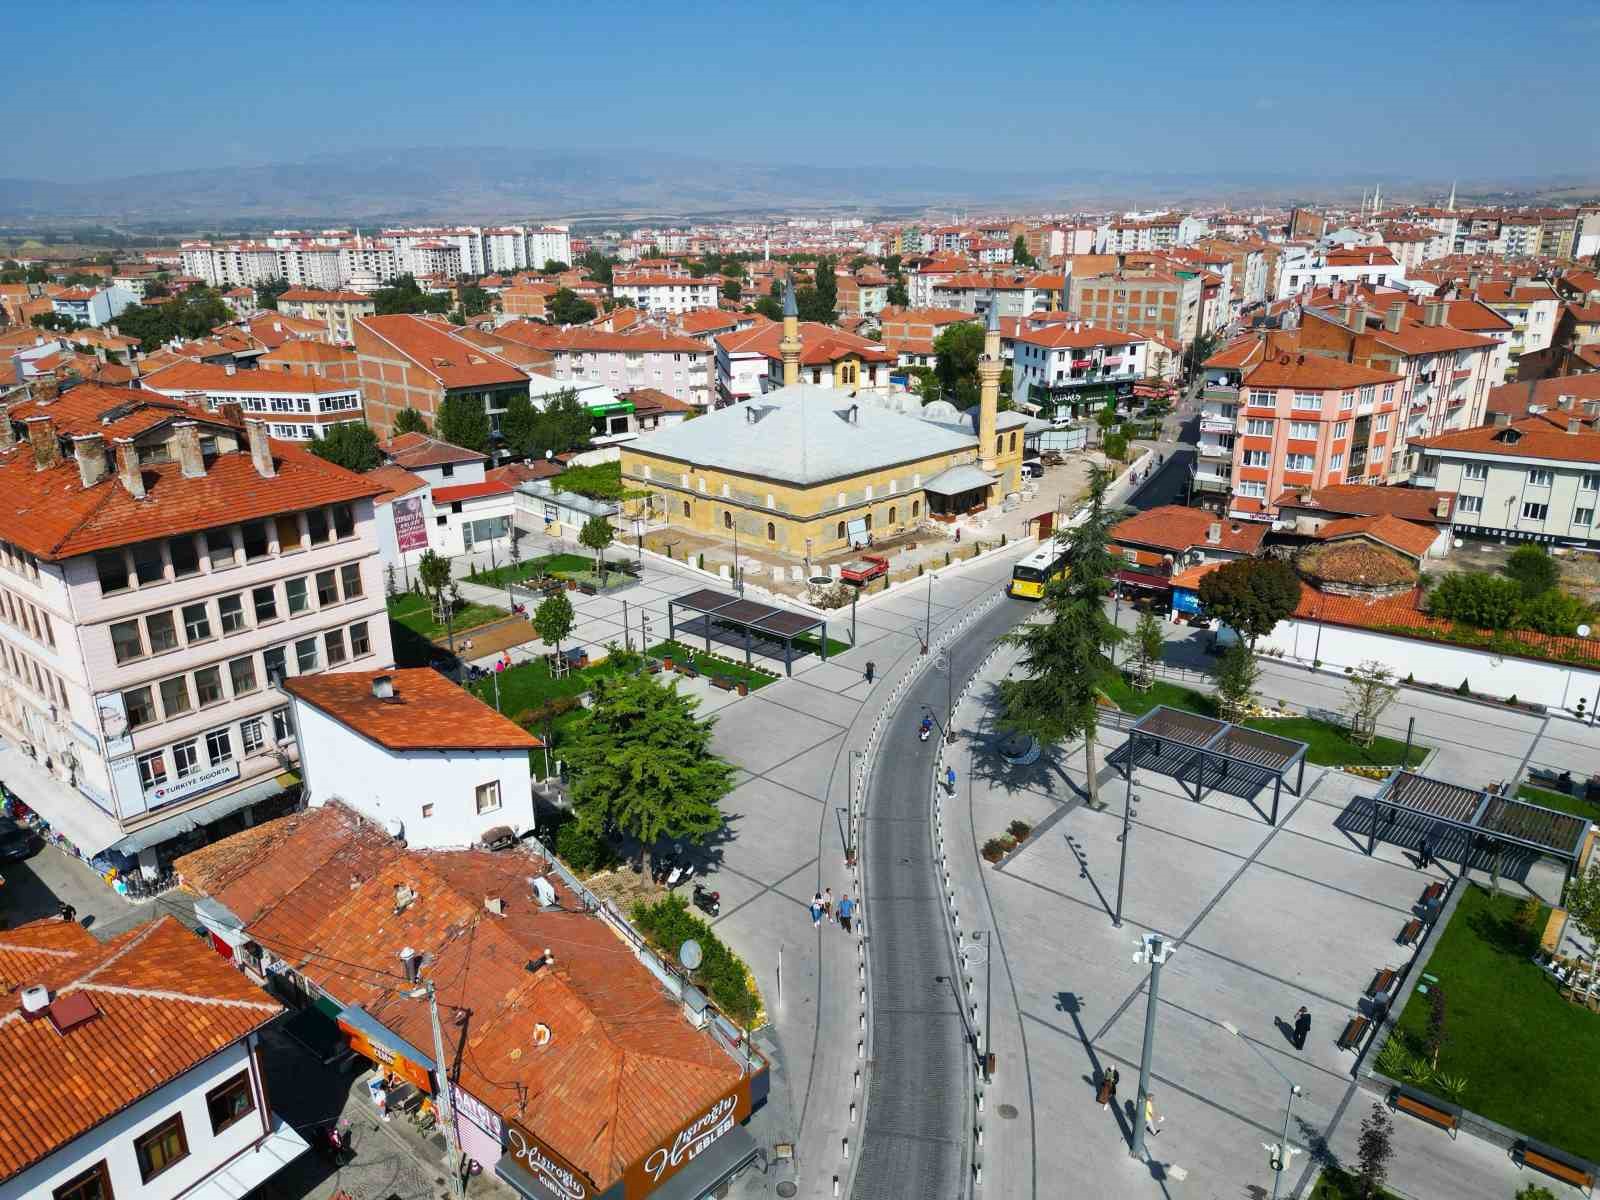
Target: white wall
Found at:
x=113, y=1140
x=382, y=783
x=1554, y=684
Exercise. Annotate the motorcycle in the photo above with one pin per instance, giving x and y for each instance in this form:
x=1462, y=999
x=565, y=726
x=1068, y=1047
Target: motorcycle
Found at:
x=924, y=729
x=707, y=901
x=681, y=872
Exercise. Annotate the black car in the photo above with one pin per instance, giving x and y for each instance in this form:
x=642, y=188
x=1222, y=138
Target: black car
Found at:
x=16, y=841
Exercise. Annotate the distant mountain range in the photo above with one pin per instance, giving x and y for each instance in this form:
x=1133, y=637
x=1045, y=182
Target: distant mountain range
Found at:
x=506, y=184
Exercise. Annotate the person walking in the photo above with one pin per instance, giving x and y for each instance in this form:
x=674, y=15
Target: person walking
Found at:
x=950, y=779
x=1107, y=1095
x=827, y=904
x=847, y=909
x=816, y=911
x=380, y=1098
x=1302, y=1027
x=1152, y=1119
x=1425, y=851
x=871, y=671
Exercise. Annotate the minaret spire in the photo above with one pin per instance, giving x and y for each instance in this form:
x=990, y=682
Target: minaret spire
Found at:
x=789, y=347
x=989, y=369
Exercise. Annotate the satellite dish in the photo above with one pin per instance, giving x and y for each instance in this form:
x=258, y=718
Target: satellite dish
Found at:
x=1583, y=631
x=689, y=954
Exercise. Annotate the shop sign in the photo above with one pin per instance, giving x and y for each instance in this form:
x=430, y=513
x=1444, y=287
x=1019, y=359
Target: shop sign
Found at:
x=413, y=1073
x=671, y=1156
x=554, y=1173
x=410, y=530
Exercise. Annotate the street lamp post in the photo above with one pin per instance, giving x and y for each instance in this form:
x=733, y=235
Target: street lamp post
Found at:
x=443, y=1102
x=1282, y=1152
x=1155, y=950
x=942, y=663
x=1127, y=828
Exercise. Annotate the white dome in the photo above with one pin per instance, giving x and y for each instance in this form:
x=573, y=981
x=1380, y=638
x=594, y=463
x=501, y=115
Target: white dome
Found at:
x=940, y=410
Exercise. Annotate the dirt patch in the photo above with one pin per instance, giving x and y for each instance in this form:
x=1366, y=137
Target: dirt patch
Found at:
x=624, y=888
x=493, y=638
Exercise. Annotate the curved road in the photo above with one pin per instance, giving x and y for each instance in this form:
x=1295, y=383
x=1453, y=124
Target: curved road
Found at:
x=913, y=1142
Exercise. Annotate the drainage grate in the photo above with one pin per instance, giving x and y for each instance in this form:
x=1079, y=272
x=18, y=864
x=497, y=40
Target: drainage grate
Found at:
x=1008, y=1111
x=788, y=1188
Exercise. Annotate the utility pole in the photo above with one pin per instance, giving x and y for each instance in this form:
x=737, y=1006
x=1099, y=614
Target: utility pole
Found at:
x=1127, y=827
x=1281, y=1154
x=442, y=1101
x=1156, y=950
x=927, y=638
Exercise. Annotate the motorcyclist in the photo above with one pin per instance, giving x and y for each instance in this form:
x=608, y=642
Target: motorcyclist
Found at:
x=926, y=727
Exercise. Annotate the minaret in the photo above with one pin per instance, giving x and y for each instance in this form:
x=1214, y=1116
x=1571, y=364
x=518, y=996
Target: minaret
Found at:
x=1451, y=206
x=789, y=347
x=1377, y=191
x=989, y=389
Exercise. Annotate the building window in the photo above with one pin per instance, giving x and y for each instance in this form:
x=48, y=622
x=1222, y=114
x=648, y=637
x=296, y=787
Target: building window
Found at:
x=488, y=796
x=317, y=526
x=344, y=521
x=1262, y=398
x=1342, y=429
x=1469, y=504
x=162, y=1147
x=140, y=707
x=916, y=509
x=1583, y=516
x=1335, y=462
x=288, y=525
x=840, y=533
x=175, y=696
x=1380, y=423
x=93, y=1184
x=219, y=746
x=161, y=631
x=1298, y=462
x=148, y=565
x=185, y=559
x=242, y=675
x=1540, y=478
x=152, y=770
x=1589, y=483
x=186, y=758
x=1535, y=512
x=1368, y=392
x=333, y=644
x=727, y=519
x=266, y=604
x=275, y=661
x=1308, y=399
x=233, y=1100
x=208, y=685
x=254, y=535
x=305, y=656
x=1302, y=429
x=125, y=641
x=196, y=623
x=297, y=595
x=686, y=508
x=250, y=735
x=1476, y=471
x=350, y=580
x=1256, y=427
x=219, y=549
x=772, y=532
x=1257, y=458
x=360, y=642
x=231, y=609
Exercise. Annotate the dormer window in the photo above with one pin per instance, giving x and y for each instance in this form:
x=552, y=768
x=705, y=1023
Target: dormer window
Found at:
x=1509, y=436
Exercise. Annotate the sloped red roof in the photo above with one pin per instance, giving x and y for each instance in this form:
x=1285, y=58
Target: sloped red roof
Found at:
x=426, y=712
x=416, y=450
x=470, y=491
x=454, y=362
x=1173, y=527
x=395, y=481
x=1405, y=536
x=1531, y=437
x=1366, y=500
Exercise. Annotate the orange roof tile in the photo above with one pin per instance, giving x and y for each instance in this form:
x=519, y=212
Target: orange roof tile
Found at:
x=1531, y=437
x=417, y=450
x=454, y=362
x=1173, y=527
x=427, y=711
x=1313, y=371
x=396, y=481
x=1369, y=500
x=1405, y=536
x=470, y=491
x=217, y=380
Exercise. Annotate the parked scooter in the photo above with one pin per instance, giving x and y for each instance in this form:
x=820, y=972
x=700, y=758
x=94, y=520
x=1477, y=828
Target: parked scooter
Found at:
x=681, y=872
x=707, y=901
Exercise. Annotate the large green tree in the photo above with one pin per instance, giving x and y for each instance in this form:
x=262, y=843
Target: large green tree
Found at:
x=192, y=315
x=568, y=308
x=552, y=620
x=770, y=308
x=351, y=445
x=599, y=266
x=475, y=301
x=1020, y=255
x=405, y=295
x=519, y=426
x=266, y=293
x=1065, y=657
x=1251, y=595
x=820, y=301
x=565, y=424
x=462, y=421
x=958, y=349
x=642, y=765
x=409, y=420
x=1533, y=569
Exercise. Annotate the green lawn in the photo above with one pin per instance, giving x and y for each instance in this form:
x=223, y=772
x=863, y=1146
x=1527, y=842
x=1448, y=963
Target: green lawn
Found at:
x=530, y=684
x=1528, y=1055
x=1121, y=693
x=812, y=644
x=552, y=564
x=416, y=614
x=1559, y=801
x=1337, y=1184
x=709, y=664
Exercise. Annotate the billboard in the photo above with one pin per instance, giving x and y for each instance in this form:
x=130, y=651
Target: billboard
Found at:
x=410, y=529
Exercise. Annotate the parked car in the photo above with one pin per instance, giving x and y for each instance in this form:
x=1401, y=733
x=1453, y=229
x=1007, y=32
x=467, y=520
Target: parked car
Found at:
x=17, y=842
x=1033, y=470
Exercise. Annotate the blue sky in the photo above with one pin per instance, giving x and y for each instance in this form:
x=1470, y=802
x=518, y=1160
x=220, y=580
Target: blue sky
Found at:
x=98, y=90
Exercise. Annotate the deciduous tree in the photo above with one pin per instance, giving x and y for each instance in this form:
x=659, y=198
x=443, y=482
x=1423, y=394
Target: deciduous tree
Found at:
x=1237, y=676
x=568, y=308
x=1251, y=594
x=597, y=534
x=552, y=620
x=1371, y=689
x=351, y=445
x=1535, y=571
x=1374, y=1149
x=519, y=426
x=463, y=422
x=958, y=349
x=409, y=420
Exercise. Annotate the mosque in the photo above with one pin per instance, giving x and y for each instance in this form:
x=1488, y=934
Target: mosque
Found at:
x=807, y=470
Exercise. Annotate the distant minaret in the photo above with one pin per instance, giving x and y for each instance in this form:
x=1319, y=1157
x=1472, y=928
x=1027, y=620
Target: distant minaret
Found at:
x=789, y=347
x=1451, y=206
x=1377, y=205
x=1363, y=204
x=989, y=368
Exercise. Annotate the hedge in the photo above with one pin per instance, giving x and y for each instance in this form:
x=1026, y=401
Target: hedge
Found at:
x=668, y=923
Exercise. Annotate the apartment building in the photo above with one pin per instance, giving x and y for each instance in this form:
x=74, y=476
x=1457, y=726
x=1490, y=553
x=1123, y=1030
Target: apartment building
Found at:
x=909, y=333
x=336, y=311
x=1530, y=305
x=527, y=300
x=1128, y=236
x=332, y=364
x=1535, y=479
x=160, y=567
x=661, y=291
x=1307, y=268
x=93, y=307
x=153, y=1037
x=863, y=294
x=1145, y=296
x=408, y=361
x=677, y=365
x=1013, y=293
x=296, y=407
x=750, y=362
x=1068, y=368
x=1248, y=268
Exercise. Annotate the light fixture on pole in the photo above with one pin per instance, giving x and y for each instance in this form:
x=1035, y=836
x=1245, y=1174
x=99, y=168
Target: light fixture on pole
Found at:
x=1155, y=950
x=442, y=1099
x=1278, y=1156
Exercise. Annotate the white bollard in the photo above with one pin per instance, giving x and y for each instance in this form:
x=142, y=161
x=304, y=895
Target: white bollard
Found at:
x=835, y=1185
x=861, y=1049
x=852, y=1112
x=858, y=1080
x=846, y=1142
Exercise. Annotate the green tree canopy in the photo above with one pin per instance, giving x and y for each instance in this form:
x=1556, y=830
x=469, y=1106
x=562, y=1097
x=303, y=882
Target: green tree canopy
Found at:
x=599, y=266
x=597, y=534
x=732, y=290
x=554, y=266
x=463, y=422
x=897, y=295
x=643, y=766
x=770, y=308
x=266, y=293
x=192, y=315
x=475, y=301
x=1251, y=595
x=820, y=301
x=1477, y=598
x=350, y=444
x=409, y=420
x=567, y=308
x=1020, y=255
x=958, y=349
x=405, y=295
x=519, y=426
x=552, y=620
x=1534, y=570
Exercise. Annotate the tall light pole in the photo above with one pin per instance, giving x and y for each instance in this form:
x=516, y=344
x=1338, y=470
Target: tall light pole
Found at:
x=1127, y=828
x=442, y=1100
x=1155, y=950
x=942, y=663
x=1282, y=1152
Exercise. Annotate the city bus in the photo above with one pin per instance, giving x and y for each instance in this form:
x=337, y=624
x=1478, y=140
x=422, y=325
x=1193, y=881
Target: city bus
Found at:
x=1028, y=577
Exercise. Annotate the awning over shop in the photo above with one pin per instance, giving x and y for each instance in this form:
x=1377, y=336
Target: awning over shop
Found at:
x=204, y=814
x=1142, y=579
x=954, y=481
x=369, y=1037
x=250, y=1170
x=70, y=813
x=716, y=1163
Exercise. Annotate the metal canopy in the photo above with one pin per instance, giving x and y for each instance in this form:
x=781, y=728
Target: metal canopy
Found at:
x=754, y=618
x=1216, y=754
x=1487, y=814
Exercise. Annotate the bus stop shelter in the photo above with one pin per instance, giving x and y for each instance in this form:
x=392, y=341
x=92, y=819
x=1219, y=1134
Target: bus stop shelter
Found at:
x=754, y=620
x=1206, y=755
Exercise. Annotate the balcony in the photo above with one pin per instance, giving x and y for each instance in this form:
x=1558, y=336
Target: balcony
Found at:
x=1217, y=425
x=1213, y=450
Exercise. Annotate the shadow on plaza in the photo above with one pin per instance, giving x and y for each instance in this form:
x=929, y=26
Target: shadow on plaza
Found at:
x=1047, y=775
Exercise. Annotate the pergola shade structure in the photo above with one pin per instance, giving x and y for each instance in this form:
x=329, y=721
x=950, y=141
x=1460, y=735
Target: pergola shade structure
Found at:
x=712, y=608
x=1205, y=754
x=1409, y=803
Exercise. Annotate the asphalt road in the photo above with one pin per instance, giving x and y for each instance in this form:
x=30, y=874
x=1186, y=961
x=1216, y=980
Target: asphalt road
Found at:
x=913, y=1142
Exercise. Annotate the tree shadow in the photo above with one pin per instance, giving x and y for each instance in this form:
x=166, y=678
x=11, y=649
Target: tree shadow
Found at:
x=1047, y=775
x=1502, y=934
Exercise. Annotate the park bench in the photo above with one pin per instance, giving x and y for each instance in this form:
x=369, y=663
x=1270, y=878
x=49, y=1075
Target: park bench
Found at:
x=1350, y=1039
x=1555, y=1163
x=1420, y=1104
x=1382, y=984
x=687, y=669
x=726, y=682
x=1411, y=932
x=1433, y=893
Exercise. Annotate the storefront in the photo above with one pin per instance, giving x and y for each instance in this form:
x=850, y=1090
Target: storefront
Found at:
x=393, y=1053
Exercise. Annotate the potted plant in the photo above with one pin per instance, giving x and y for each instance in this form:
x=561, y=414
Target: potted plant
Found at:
x=742, y=687
x=666, y=662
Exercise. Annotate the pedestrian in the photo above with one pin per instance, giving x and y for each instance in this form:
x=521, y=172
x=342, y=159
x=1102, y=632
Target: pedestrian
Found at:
x=67, y=913
x=1302, y=1027
x=380, y=1097
x=950, y=779
x=816, y=911
x=1107, y=1095
x=1425, y=852
x=1152, y=1119
x=872, y=669
x=827, y=904
x=847, y=909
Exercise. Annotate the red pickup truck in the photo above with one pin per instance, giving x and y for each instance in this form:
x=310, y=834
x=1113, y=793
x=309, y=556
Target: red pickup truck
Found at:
x=864, y=569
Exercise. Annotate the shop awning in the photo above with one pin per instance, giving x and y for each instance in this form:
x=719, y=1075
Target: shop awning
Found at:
x=371, y=1038
x=242, y=1175
x=204, y=814
x=70, y=813
x=1144, y=579
x=953, y=481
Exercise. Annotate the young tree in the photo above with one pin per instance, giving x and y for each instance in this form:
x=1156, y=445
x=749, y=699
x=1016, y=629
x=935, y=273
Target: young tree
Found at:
x=552, y=620
x=405, y=295
x=643, y=765
x=1251, y=595
x=568, y=308
x=1237, y=676
x=409, y=420
x=597, y=534
x=897, y=295
x=519, y=425
x=1373, y=1151
x=554, y=266
x=1065, y=657
x=351, y=445
x=1019, y=253
x=958, y=349
x=1372, y=689
x=1583, y=904
x=463, y=422
x=1148, y=645
x=433, y=570
x=475, y=301
x=266, y=293
x=1534, y=571
x=565, y=424
x=1438, y=1033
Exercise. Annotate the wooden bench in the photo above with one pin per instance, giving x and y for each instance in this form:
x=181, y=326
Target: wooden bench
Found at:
x=1419, y=1104
x=1433, y=893
x=1411, y=932
x=1382, y=983
x=1552, y=930
x=1350, y=1039
x=1554, y=1163
x=726, y=682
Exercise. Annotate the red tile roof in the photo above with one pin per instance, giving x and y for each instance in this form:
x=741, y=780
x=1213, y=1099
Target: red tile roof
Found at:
x=417, y=450
x=316, y=296
x=1173, y=527
x=428, y=712
x=582, y=338
x=470, y=491
x=214, y=379
x=1515, y=398
x=1366, y=500
x=819, y=344
x=1405, y=536
x=396, y=481
x=454, y=362
x=1531, y=437
x=163, y=1002
x=653, y=400
x=525, y=472
x=1314, y=372
x=1085, y=336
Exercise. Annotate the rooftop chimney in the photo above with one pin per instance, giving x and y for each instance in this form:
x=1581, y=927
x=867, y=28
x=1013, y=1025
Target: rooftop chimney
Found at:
x=35, y=1000
x=1394, y=316
x=1214, y=533
x=90, y=451
x=44, y=389
x=1350, y=310
x=128, y=472
x=260, y=449
x=8, y=434
x=42, y=436
x=1435, y=313
x=187, y=435
x=1574, y=424
x=1500, y=419
x=231, y=411
x=383, y=687
x=410, y=957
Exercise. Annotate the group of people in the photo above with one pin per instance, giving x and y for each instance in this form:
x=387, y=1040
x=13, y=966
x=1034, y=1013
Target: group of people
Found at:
x=823, y=908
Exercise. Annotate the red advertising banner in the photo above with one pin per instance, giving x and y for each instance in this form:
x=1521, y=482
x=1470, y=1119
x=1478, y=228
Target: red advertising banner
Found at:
x=410, y=530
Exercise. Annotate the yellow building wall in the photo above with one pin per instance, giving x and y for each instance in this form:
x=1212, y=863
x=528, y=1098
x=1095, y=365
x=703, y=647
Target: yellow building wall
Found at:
x=712, y=502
